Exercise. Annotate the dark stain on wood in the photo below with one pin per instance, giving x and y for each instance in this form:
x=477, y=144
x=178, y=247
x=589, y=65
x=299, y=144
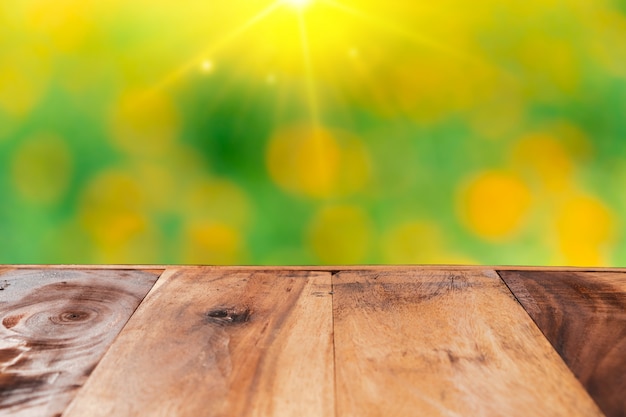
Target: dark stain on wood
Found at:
x=378, y=294
x=23, y=389
x=226, y=316
x=454, y=358
x=56, y=325
x=8, y=355
x=583, y=315
x=11, y=321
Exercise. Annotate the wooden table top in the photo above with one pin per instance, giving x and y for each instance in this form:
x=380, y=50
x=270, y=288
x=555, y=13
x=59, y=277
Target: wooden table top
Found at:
x=312, y=341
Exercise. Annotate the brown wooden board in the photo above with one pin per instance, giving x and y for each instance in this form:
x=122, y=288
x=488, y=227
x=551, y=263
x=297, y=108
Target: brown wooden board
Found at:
x=444, y=343
x=583, y=315
x=55, y=327
x=212, y=343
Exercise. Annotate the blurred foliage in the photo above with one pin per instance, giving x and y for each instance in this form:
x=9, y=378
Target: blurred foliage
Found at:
x=320, y=132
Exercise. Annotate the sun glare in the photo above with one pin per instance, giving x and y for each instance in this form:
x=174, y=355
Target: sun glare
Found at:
x=298, y=4
x=314, y=43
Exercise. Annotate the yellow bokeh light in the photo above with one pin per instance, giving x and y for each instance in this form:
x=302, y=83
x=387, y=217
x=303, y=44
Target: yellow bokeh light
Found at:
x=113, y=209
x=317, y=162
x=144, y=123
x=414, y=242
x=212, y=243
x=550, y=157
x=544, y=158
x=341, y=234
x=24, y=76
x=494, y=204
x=41, y=168
x=216, y=200
x=585, y=229
x=608, y=40
x=304, y=161
x=419, y=242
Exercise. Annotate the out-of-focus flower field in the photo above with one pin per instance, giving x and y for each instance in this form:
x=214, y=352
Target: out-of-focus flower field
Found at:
x=313, y=132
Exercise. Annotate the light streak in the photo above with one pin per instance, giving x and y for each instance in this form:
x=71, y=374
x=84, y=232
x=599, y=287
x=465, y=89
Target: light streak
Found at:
x=215, y=47
x=309, y=73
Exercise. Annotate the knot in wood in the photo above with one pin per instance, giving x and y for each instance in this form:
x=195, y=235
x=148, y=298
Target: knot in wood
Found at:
x=228, y=316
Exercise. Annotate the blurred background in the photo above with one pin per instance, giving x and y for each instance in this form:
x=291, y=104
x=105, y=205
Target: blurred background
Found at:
x=313, y=132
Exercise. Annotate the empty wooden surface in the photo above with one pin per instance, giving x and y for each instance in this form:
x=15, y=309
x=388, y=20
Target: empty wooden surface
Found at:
x=327, y=341
x=449, y=343
x=583, y=315
x=55, y=327
x=208, y=343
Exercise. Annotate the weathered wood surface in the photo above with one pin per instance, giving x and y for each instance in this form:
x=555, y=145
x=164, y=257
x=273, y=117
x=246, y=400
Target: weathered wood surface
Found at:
x=583, y=315
x=55, y=326
x=243, y=341
x=444, y=344
x=213, y=343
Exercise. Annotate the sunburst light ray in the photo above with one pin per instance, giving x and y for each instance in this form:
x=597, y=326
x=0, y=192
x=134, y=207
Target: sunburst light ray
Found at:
x=311, y=92
x=393, y=28
x=200, y=58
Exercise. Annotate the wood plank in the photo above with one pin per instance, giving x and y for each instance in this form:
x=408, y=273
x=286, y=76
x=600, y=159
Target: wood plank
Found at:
x=55, y=327
x=583, y=315
x=212, y=343
x=442, y=343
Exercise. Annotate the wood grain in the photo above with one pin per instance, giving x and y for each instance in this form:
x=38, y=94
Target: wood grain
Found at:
x=583, y=315
x=213, y=343
x=444, y=343
x=55, y=326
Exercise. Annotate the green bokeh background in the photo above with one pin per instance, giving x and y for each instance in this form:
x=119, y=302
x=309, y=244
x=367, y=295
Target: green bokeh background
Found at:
x=154, y=132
